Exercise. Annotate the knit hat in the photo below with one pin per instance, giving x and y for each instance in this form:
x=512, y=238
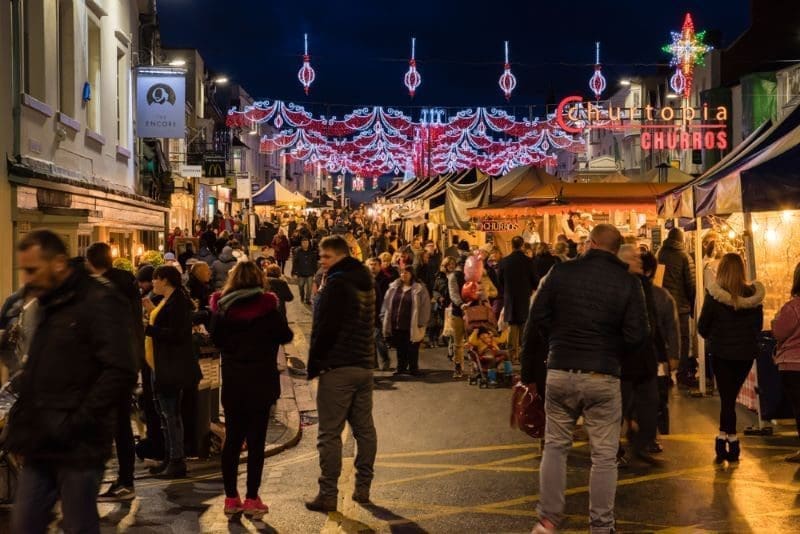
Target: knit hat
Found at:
x=169, y=256
x=145, y=273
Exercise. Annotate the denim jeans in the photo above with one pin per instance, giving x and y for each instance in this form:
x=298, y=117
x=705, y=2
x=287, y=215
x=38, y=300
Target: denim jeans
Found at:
x=42, y=484
x=407, y=351
x=169, y=408
x=304, y=286
x=598, y=398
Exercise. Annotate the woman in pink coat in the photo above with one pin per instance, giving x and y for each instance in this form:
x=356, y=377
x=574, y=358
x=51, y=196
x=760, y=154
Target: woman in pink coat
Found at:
x=281, y=246
x=786, y=329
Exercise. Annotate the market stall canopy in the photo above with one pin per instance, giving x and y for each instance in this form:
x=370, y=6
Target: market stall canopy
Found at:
x=519, y=184
x=437, y=196
x=461, y=198
x=274, y=194
x=561, y=197
x=404, y=188
x=615, y=178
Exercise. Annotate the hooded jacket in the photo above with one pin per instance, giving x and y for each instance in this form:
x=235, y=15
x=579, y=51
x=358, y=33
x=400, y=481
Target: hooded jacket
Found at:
x=732, y=329
x=221, y=268
x=343, y=331
x=786, y=329
x=206, y=256
x=248, y=330
x=678, y=274
x=420, y=310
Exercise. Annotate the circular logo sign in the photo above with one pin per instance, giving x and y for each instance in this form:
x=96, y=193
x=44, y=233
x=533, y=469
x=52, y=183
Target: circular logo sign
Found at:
x=161, y=93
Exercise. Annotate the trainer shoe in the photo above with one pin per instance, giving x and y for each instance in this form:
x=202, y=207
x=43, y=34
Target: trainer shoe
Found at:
x=255, y=508
x=233, y=505
x=459, y=372
x=117, y=493
x=322, y=503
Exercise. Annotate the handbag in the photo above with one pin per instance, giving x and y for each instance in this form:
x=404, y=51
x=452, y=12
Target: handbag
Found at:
x=527, y=410
x=481, y=315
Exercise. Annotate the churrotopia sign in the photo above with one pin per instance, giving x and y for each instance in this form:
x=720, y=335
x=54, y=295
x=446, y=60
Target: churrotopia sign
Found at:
x=160, y=103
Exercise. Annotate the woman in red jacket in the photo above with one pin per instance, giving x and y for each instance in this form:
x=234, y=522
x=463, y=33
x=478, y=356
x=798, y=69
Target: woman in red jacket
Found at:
x=280, y=244
x=786, y=329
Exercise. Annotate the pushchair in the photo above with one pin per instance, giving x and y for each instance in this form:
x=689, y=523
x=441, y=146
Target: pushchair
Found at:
x=485, y=368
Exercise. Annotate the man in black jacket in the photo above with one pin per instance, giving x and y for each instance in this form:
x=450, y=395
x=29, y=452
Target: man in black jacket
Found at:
x=592, y=311
x=518, y=279
x=100, y=263
x=80, y=366
x=342, y=354
x=304, y=266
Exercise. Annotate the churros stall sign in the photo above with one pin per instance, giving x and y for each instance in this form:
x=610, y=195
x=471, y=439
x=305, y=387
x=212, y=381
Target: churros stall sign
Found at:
x=666, y=128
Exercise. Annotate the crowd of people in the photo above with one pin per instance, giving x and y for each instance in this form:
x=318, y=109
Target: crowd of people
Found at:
x=584, y=320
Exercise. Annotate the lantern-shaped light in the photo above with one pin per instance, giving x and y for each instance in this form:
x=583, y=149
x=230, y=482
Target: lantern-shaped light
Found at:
x=597, y=83
x=306, y=73
x=412, y=78
x=678, y=82
x=507, y=80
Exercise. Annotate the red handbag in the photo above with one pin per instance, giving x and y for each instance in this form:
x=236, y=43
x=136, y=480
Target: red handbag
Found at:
x=527, y=410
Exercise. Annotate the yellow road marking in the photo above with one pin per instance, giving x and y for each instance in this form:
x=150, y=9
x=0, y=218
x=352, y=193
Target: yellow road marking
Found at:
x=441, y=452
x=456, y=466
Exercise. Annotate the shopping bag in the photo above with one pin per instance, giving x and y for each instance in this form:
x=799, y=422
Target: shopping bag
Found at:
x=480, y=315
x=527, y=410
x=447, y=329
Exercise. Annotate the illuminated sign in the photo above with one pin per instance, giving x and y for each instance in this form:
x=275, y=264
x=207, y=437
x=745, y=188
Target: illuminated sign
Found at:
x=491, y=225
x=673, y=128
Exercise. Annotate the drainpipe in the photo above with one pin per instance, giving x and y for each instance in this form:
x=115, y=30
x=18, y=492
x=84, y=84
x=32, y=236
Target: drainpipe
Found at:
x=16, y=73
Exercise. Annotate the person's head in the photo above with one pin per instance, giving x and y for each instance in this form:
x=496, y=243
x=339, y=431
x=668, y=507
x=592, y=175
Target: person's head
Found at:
x=273, y=271
x=731, y=275
x=485, y=335
x=177, y=231
x=416, y=243
x=455, y=240
x=244, y=275
x=99, y=258
x=675, y=234
x=649, y=264
x=407, y=275
x=42, y=257
x=430, y=246
x=630, y=255
x=605, y=237
x=561, y=238
x=374, y=265
x=305, y=243
x=496, y=255
x=201, y=271
x=386, y=259
x=709, y=248
x=144, y=277
x=796, y=282
x=166, y=279
x=561, y=248
x=332, y=250
x=448, y=264
x=169, y=257
x=517, y=242
x=463, y=246
x=527, y=249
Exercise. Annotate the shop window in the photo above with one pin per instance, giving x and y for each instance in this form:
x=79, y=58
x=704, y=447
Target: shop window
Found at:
x=66, y=57
x=94, y=47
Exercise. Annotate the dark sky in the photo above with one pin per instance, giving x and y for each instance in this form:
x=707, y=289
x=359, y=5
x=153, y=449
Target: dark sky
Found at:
x=360, y=49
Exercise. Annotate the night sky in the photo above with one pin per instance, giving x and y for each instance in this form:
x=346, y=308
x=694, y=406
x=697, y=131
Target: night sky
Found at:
x=360, y=49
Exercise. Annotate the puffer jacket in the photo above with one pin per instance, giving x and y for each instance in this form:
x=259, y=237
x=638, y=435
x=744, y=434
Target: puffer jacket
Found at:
x=304, y=262
x=592, y=311
x=343, y=332
x=221, y=268
x=80, y=366
x=731, y=333
x=786, y=329
x=420, y=310
x=678, y=274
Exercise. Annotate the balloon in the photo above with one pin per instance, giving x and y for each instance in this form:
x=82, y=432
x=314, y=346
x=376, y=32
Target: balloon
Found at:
x=473, y=268
x=469, y=292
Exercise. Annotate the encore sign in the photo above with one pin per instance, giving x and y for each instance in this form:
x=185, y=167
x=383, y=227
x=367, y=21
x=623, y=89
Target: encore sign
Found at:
x=672, y=128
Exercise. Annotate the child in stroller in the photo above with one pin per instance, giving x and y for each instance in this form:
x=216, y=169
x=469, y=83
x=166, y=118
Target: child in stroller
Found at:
x=488, y=360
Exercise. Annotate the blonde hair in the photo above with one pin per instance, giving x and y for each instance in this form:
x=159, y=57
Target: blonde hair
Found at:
x=731, y=276
x=244, y=275
x=385, y=256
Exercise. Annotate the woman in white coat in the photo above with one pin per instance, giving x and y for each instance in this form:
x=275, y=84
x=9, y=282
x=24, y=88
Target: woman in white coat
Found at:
x=406, y=312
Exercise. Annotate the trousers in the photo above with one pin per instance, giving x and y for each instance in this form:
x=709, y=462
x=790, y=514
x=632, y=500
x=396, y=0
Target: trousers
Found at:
x=730, y=375
x=243, y=423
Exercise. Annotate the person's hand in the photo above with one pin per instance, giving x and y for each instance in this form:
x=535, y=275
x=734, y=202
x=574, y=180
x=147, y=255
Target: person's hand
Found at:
x=148, y=305
x=464, y=306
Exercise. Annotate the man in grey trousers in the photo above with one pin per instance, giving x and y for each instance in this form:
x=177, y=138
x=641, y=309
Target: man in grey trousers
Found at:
x=592, y=312
x=342, y=355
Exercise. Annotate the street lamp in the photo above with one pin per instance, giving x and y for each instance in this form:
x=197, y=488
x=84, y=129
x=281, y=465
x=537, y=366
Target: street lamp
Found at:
x=220, y=80
x=177, y=63
x=624, y=82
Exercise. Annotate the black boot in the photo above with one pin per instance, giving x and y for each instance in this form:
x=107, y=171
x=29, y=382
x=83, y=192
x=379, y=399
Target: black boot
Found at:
x=322, y=503
x=176, y=469
x=160, y=468
x=721, y=448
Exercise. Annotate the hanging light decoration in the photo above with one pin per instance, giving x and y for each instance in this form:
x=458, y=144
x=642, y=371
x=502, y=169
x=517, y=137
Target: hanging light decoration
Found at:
x=678, y=82
x=358, y=183
x=687, y=49
x=412, y=78
x=507, y=80
x=597, y=83
x=306, y=74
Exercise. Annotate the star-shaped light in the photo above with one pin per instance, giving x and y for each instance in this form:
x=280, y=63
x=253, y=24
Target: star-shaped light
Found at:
x=687, y=50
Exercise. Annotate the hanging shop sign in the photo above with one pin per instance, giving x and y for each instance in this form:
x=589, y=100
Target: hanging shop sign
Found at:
x=214, y=166
x=161, y=102
x=494, y=225
x=672, y=128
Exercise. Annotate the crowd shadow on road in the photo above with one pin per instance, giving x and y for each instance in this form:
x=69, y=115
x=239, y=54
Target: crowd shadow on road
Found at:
x=397, y=523
x=236, y=525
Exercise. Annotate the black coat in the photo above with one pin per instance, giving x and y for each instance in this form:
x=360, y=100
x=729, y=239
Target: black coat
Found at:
x=176, y=365
x=125, y=283
x=642, y=364
x=343, y=331
x=592, y=311
x=518, y=280
x=679, y=277
x=249, y=333
x=282, y=291
x=542, y=263
x=732, y=333
x=304, y=262
x=80, y=367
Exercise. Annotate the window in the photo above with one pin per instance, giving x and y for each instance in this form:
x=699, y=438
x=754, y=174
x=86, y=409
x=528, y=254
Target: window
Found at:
x=94, y=104
x=238, y=161
x=33, y=49
x=122, y=98
x=66, y=58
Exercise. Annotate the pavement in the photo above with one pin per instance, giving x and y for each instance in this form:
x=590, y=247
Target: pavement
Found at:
x=448, y=462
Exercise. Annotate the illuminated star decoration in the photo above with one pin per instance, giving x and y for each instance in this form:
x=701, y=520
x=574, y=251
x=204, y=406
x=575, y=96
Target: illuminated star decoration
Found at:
x=306, y=73
x=507, y=80
x=687, y=50
x=412, y=78
x=597, y=83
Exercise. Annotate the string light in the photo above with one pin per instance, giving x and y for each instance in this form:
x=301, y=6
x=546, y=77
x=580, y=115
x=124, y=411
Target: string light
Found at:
x=306, y=73
x=412, y=78
x=507, y=80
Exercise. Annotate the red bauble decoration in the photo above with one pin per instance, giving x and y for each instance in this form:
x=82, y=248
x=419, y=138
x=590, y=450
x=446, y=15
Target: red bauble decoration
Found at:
x=306, y=73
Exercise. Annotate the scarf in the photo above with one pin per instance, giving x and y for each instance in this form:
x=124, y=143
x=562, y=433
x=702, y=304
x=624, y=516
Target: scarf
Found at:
x=234, y=296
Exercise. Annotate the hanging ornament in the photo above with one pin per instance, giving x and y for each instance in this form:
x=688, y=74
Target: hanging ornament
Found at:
x=678, y=82
x=306, y=73
x=687, y=49
x=597, y=83
x=412, y=78
x=507, y=80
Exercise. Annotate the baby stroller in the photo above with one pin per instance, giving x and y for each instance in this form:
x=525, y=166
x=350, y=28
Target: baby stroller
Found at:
x=486, y=372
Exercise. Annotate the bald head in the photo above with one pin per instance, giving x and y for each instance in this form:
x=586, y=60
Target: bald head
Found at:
x=606, y=237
